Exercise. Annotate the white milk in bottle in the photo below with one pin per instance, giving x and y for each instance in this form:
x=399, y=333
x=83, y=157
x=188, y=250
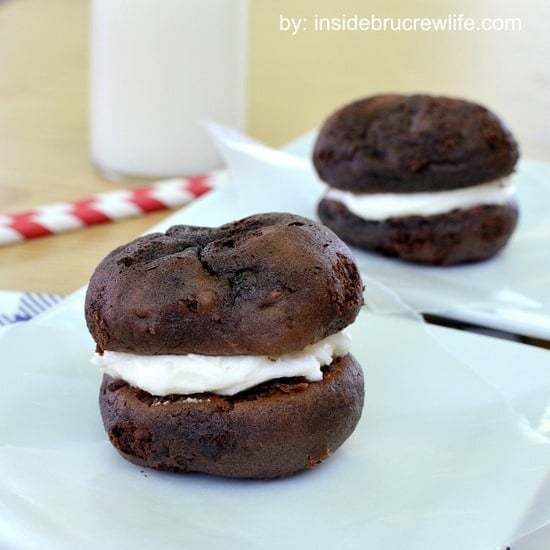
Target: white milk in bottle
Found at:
x=158, y=69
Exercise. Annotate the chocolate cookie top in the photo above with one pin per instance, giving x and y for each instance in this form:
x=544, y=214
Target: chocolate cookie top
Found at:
x=402, y=144
x=265, y=285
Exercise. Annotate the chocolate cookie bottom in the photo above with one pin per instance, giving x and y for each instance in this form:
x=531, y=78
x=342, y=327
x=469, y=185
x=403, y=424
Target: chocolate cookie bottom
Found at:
x=273, y=430
x=457, y=237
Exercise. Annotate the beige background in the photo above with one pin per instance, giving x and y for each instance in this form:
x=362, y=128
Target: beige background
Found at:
x=294, y=82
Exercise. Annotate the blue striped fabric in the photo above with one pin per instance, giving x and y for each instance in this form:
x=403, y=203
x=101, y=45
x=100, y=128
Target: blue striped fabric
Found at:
x=26, y=306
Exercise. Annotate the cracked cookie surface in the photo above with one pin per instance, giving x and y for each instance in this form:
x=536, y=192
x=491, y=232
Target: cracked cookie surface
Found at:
x=246, y=287
x=403, y=144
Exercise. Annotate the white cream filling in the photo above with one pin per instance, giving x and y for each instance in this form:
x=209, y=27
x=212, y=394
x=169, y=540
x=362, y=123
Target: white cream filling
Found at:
x=225, y=375
x=381, y=206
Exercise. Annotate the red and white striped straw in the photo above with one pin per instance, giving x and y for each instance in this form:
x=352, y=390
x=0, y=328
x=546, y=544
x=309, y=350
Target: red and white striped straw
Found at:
x=103, y=207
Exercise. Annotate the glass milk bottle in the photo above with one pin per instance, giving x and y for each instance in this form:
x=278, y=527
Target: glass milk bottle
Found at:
x=158, y=69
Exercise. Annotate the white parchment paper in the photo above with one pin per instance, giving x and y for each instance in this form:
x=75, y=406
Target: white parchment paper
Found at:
x=451, y=451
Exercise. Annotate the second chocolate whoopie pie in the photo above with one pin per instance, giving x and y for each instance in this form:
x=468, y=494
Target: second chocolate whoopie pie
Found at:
x=418, y=177
x=222, y=348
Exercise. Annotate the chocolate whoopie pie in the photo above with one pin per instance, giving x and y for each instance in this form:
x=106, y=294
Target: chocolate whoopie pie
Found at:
x=223, y=349
x=418, y=177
